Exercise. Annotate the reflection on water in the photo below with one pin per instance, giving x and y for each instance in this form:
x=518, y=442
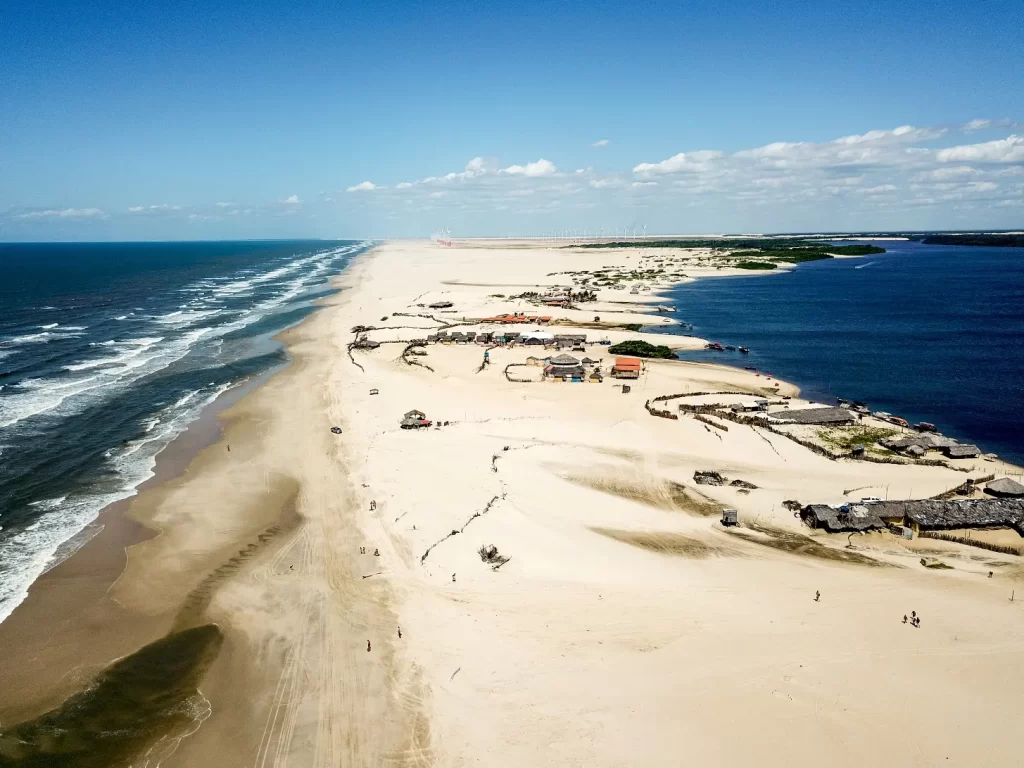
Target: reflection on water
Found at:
x=140, y=705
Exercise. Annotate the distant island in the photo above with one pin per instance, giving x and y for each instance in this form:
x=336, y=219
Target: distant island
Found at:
x=1003, y=240
x=763, y=253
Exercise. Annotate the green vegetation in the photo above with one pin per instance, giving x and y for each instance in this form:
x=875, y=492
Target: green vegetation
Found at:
x=631, y=326
x=854, y=250
x=846, y=438
x=755, y=265
x=641, y=349
x=1005, y=240
x=759, y=243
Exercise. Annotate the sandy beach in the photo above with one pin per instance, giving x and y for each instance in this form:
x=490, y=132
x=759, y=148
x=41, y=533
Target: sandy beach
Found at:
x=623, y=624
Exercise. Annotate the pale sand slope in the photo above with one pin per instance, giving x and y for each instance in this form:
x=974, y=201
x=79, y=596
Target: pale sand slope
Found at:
x=627, y=628
x=585, y=650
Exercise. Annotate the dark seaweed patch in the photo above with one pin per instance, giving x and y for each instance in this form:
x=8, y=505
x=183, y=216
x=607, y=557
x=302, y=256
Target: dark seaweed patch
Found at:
x=149, y=697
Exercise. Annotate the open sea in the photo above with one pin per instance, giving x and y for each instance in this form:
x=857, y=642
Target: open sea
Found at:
x=927, y=332
x=108, y=351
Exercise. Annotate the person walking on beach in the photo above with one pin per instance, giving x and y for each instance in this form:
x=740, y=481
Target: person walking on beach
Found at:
x=367, y=646
x=817, y=596
x=904, y=618
x=399, y=633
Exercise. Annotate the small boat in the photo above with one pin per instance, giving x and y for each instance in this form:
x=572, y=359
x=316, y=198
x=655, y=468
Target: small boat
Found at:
x=714, y=345
x=730, y=347
x=744, y=350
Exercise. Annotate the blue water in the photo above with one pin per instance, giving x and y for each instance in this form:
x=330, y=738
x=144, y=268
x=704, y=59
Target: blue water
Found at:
x=926, y=332
x=108, y=351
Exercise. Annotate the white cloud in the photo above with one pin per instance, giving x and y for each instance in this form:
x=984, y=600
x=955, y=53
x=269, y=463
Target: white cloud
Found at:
x=684, y=161
x=1008, y=150
x=601, y=143
x=644, y=184
x=982, y=186
x=607, y=183
x=63, y=213
x=363, y=186
x=880, y=189
x=225, y=205
x=153, y=208
x=535, y=169
x=976, y=125
x=954, y=172
x=292, y=200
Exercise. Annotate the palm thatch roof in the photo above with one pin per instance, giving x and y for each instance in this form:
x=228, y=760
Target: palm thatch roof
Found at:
x=1006, y=487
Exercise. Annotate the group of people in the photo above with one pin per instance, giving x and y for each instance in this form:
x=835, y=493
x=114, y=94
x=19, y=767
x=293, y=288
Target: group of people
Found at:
x=914, y=620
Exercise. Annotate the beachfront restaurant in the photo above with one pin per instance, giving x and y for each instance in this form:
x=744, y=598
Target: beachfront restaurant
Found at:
x=627, y=368
x=573, y=373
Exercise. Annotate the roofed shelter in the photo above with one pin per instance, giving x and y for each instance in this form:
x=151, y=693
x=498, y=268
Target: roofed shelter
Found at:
x=824, y=415
x=627, y=368
x=1005, y=488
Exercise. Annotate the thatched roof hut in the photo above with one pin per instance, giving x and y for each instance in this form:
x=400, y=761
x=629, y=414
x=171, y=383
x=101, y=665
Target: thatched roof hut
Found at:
x=934, y=514
x=963, y=452
x=859, y=517
x=561, y=360
x=1005, y=488
x=825, y=415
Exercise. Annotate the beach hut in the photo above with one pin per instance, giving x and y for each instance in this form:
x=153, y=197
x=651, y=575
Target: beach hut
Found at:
x=1005, y=488
x=963, y=452
x=730, y=517
x=564, y=360
x=595, y=376
x=536, y=338
x=824, y=416
x=415, y=420
x=537, y=361
x=627, y=368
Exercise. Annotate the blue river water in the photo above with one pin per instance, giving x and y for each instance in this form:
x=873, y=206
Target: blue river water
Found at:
x=108, y=351
x=927, y=332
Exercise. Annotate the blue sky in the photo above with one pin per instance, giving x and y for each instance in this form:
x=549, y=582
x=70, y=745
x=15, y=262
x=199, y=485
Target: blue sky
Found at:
x=150, y=120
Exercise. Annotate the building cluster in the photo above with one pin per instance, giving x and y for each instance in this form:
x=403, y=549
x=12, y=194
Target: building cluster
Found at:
x=1005, y=510
x=565, y=367
x=569, y=341
x=919, y=444
x=517, y=318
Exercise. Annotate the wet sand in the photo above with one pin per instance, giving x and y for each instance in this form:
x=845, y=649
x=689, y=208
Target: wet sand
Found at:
x=66, y=631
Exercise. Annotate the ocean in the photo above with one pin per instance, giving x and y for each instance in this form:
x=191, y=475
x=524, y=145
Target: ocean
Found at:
x=927, y=332
x=108, y=352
